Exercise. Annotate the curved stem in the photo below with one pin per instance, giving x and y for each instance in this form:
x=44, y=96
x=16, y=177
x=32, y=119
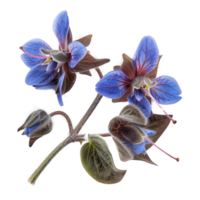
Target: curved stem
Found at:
x=75, y=136
x=61, y=146
x=99, y=72
x=66, y=117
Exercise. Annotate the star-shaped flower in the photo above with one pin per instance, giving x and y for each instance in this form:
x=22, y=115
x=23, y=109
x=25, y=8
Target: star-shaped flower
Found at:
x=136, y=76
x=55, y=69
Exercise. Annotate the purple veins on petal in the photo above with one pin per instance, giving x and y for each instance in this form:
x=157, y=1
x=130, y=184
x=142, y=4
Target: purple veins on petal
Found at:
x=146, y=56
x=113, y=85
x=78, y=52
x=32, y=48
x=39, y=76
x=31, y=129
x=30, y=61
x=166, y=90
x=143, y=105
x=60, y=28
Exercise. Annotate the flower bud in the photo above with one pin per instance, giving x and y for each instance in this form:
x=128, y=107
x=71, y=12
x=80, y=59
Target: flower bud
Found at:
x=36, y=125
x=98, y=161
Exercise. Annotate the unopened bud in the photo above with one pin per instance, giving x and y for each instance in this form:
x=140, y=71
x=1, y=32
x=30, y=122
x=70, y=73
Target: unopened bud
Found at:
x=36, y=125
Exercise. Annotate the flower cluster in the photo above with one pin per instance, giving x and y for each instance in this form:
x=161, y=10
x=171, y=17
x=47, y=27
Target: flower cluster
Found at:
x=134, y=130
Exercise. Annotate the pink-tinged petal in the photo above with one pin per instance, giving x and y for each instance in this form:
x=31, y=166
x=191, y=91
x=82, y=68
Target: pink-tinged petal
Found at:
x=60, y=28
x=146, y=56
x=78, y=52
x=127, y=67
x=30, y=61
x=90, y=62
x=33, y=48
x=166, y=90
x=85, y=40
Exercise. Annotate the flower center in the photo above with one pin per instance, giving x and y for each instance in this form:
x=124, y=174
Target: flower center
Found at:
x=138, y=82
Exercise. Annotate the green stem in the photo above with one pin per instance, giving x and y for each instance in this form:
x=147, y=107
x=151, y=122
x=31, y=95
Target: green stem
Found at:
x=71, y=138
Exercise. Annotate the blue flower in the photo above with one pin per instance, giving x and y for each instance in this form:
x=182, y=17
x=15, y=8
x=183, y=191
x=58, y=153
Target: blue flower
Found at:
x=55, y=69
x=136, y=76
x=134, y=134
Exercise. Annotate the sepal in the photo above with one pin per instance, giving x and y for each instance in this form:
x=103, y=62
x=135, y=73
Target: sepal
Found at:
x=36, y=125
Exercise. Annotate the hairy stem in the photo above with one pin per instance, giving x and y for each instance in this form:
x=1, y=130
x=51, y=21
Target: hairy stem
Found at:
x=33, y=178
x=42, y=166
x=66, y=117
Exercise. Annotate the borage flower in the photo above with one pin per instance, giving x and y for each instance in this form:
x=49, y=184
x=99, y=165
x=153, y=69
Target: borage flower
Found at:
x=136, y=76
x=55, y=69
x=134, y=134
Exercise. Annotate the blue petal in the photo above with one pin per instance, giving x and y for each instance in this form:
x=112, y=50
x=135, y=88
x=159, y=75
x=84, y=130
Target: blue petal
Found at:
x=113, y=85
x=148, y=132
x=166, y=90
x=140, y=148
x=137, y=148
x=144, y=106
x=30, y=61
x=146, y=56
x=77, y=51
x=33, y=47
x=52, y=65
x=31, y=129
x=39, y=76
x=139, y=94
x=60, y=28
x=61, y=79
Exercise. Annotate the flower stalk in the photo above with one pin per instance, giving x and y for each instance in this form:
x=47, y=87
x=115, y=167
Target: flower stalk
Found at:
x=69, y=139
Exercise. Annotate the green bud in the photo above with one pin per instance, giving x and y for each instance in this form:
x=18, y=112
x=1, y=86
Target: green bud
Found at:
x=97, y=160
